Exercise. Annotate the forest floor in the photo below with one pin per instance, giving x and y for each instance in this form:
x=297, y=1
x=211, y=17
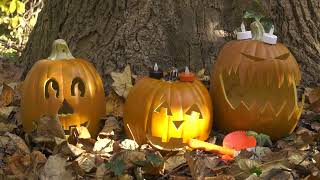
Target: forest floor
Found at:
x=43, y=155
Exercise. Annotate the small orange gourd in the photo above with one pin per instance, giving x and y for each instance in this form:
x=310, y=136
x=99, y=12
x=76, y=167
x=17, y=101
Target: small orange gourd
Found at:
x=65, y=86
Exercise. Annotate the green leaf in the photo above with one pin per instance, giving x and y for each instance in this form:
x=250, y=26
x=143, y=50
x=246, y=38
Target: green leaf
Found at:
x=20, y=7
x=252, y=15
x=13, y=6
x=33, y=21
x=14, y=21
x=117, y=166
x=256, y=170
x=262, y=139
x=154, y=159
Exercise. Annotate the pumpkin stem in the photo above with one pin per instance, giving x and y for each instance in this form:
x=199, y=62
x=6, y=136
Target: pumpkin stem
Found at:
x=257, y=30
x=60, y=50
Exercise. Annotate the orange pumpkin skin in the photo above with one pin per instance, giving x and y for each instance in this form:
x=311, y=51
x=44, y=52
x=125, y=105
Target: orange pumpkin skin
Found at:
x=66, y=86
x=167, y=114
x=254, y=88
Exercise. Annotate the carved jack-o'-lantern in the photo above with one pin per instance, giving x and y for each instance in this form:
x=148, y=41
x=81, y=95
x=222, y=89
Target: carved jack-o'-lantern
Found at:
x=168, y=113
x=63, y=85
x=254, y=88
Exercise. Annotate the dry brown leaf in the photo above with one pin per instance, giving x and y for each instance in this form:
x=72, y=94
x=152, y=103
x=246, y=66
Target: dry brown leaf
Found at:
x=122, y=82
x=315, y=126
x=317, y=159
x=18, y=143
x=174, y=161
x=114, y=104
x=86, y=162
x=247, y=164
x=100, y=172
x=313, y=94
x=314, y=98
x=63, y=147
x=25, y=165
x=103, y=145
x=129, y=144
x=9, y=72
x=201, y=165
x=276, y=171
x=6, y=111
x=6, y=97
x=55, y=169
x=111, y=128
x=49, y=127
x=7, y=127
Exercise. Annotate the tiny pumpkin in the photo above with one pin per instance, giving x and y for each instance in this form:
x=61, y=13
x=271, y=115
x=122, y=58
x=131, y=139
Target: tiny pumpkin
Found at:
x=65, y=86
x=168, y=113
x=254, y=88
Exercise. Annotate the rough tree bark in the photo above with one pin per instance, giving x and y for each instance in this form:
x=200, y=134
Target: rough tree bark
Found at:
x=113, y=33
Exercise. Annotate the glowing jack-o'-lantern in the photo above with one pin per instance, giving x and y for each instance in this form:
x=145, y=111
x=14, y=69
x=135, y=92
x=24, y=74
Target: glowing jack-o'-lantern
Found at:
x=168, y=113
x=65, y=86
x=254, y=88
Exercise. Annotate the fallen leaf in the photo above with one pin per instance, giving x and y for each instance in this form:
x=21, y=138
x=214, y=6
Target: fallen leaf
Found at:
x=63, y=147
x=6, y=97
x=55, y=169
x=314, y=98
x=111, y=128
x=86, y=161
x=151, y=163
x=248, y=164
x=122, y=82
x=262, y=139
x=101, y=171
x=201, y=165
x=313, y=94
x=27, y=165
x=315, y=126
x=7, y=127
x=117, y=166
x=6, y=111
x=49, y=127
x=277, y=171
x=317, y=159
x=129, y=144
x=17, y=143
x=103, y=145
x=114, y=104
x=174, y=161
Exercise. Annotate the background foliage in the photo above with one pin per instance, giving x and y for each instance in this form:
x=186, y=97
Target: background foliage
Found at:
x=17, y=18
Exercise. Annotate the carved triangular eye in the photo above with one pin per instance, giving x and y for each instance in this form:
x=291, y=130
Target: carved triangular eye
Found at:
x=164, y=105
x=194, y=108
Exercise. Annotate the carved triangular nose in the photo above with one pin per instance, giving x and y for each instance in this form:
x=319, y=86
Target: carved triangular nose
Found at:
x=177, y=124
x=65, y=108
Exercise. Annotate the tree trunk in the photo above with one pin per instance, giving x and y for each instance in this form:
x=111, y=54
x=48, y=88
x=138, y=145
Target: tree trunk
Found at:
x=113, y=33
x=298, y=26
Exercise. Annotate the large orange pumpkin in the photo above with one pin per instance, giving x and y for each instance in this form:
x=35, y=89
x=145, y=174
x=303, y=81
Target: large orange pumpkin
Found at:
x=168, y=113
x=63, y=85
x=254, y=88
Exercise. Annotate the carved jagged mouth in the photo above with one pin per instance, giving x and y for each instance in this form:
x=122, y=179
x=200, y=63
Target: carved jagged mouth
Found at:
x=276, y=106
x=65, y=110
x=172, y=145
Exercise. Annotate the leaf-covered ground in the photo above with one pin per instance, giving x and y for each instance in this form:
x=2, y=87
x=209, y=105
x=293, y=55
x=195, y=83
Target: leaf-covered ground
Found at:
x=45, y=154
